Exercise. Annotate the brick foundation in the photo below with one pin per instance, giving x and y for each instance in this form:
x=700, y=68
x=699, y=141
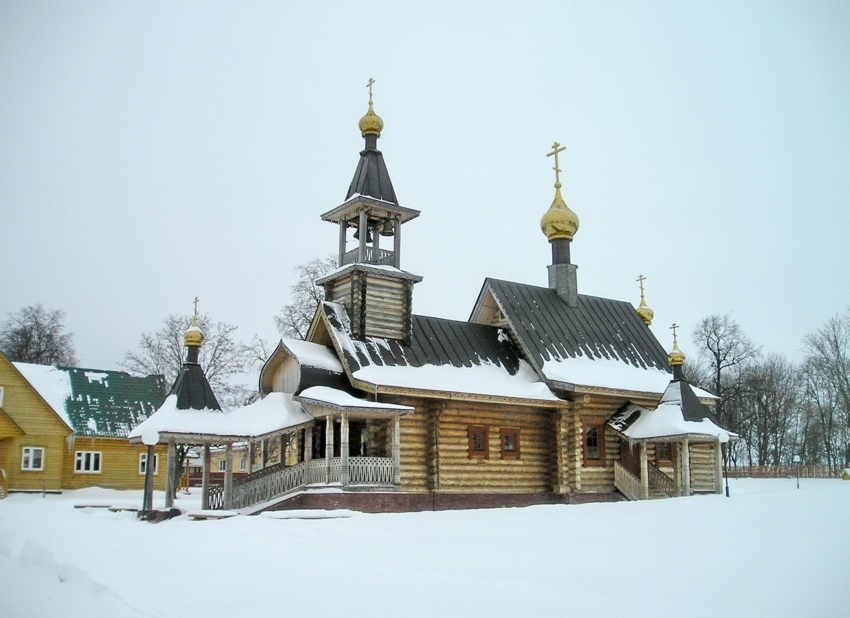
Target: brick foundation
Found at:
x=396, y=502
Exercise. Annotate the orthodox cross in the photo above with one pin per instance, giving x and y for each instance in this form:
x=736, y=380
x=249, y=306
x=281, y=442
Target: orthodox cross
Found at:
x=196, y=308
x=369, y=86
x=673, y=328
x=640, y=280
x=556, y=148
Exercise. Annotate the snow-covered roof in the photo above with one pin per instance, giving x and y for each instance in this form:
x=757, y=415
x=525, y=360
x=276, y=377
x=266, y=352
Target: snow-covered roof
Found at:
x=442, y=356
x=338, y=399
x=52, y=383
x=275, y=412
x=312, y=355
x=679, y=414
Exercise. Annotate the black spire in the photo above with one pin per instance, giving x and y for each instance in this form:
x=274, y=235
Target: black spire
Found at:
x=191, y=386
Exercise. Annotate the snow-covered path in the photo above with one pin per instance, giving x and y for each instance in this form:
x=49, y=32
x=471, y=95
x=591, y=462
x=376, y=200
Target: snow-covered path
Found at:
x=770, y=550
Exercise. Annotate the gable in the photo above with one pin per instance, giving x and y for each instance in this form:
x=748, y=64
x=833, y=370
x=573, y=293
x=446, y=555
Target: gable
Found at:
x=25, y=406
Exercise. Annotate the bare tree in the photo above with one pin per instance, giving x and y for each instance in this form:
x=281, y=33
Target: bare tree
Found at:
x=828, y=385
x=770, y=410
x=294, y=319
x=222, y=357
x=37, y=335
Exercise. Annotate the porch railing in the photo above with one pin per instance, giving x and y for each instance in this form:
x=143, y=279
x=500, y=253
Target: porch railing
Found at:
x=278, y=479
x=627, y=483
x=659, y=481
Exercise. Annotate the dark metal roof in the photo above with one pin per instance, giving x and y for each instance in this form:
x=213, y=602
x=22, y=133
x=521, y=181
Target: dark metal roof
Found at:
x=692, y=408
x=110, y=403
x=193, y=390
x=434, y=341
x=548, y=328
x=371, y=177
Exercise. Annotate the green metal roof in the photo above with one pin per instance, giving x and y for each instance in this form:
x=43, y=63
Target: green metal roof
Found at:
x=110, y=403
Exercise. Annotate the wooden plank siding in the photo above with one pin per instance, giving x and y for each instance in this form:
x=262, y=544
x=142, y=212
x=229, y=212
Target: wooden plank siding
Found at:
x=119, y=464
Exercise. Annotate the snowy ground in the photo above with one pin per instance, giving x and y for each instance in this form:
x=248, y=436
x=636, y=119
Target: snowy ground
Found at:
x=769, y=550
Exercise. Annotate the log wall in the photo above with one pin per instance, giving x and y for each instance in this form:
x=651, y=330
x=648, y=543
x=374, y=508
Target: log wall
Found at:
x=702, y=467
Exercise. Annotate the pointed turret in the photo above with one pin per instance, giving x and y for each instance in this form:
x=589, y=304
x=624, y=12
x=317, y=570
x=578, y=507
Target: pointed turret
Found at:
x=191, y=387
x=560, y=224
x=646, y=314
x=372, y=209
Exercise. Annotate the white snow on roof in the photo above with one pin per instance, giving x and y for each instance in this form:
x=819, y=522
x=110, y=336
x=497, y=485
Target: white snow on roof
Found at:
x=667, y=421
x=276, y=411
x=341, y=398
x=611, y=373
x=484, y=379
x=313, y=355
x=52, y=384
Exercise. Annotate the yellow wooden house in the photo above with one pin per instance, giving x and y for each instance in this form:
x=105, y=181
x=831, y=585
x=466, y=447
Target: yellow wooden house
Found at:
x=65, y=427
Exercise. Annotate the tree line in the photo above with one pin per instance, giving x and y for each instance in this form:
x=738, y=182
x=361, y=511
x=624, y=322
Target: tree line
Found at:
x=780, y=409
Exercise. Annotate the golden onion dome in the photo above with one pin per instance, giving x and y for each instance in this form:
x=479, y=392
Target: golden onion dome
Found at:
x=371, y=123
x=194, y=335
x=676, y=356
x=645, y=313
x=559, y=221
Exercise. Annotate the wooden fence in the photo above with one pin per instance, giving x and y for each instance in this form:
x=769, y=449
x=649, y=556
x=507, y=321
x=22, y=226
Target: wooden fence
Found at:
x=807, y=471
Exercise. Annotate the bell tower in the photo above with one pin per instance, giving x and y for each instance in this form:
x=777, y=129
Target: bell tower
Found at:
x=376, y=292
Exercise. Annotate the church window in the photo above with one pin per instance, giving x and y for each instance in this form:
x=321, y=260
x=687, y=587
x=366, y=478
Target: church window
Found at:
x=594, y=444
x=479, y=442
x=664, y=454
x=510, y=443
x=87, y=462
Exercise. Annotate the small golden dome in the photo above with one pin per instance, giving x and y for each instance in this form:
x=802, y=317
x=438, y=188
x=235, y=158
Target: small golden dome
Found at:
x=371, y=123
x=194, y=335
x=676, y=356
x=559, y=221
x=645, y=313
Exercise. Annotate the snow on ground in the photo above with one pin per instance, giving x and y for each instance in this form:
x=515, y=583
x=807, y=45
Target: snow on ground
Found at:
x=769, y=550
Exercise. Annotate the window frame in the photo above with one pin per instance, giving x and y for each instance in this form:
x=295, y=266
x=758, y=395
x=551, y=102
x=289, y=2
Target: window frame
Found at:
x=88, y=462
x=1, y=396
x=484, y=451
x=504, y=433
x=600, y=439
x=29, y=457
x=143, y=460
x=241, y=464
x=664, y=462
x=222, y=465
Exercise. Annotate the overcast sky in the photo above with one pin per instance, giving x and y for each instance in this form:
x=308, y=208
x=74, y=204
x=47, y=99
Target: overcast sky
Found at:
x=155, y=151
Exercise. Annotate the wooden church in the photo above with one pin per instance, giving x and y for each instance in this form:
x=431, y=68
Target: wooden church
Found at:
x=544, y=395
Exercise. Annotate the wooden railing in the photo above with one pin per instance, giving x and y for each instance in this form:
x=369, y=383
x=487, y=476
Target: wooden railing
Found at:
x=278, y=479
x=627, y=483
x=370, y=471
x=373, y=256
x=659, y=481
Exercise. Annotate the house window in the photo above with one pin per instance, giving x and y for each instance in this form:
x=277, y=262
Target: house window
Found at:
x=664, y=454
x=241, y=464
x=143, y=463
x=1, y=396
x=479, y=442
x=32, y=458
x=222, y=465
x=87, y=462
x=594, y=444
x=510, y=443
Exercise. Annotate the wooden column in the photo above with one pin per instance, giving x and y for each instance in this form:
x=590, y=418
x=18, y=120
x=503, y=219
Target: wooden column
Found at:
x=561, y=419
x=308, y=443
x=205, y=482
x=228, y=476
x=363, y=233
x=343, y=450
x=329, y=446
x=264, y=455
x=342, y=229
x=147, y=500
x=686, y=469
x=644, y=471
x=718, y=467
x=169, y=479
x=677, y=469
x=397, y=244
x=396, y=451
x=251, y=449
